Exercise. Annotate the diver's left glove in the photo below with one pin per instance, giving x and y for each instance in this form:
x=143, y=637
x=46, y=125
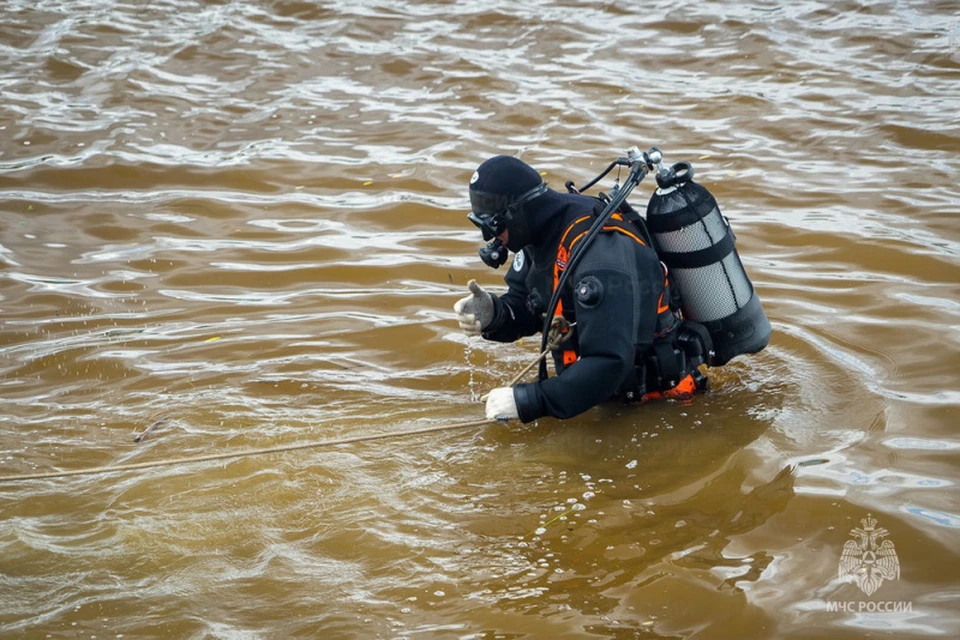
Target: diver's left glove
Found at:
x=475, y=312
x=501, y=405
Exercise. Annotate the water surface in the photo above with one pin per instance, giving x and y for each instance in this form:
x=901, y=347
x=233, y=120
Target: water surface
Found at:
x=248, y=218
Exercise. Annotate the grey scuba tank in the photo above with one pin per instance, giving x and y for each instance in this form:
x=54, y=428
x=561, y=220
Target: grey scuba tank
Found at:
x=696, y=244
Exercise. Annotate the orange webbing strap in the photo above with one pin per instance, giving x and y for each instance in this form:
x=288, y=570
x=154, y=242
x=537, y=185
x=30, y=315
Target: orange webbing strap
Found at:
x=571, y=236
x=563, y=256
x=663, y=308
x=576, y=231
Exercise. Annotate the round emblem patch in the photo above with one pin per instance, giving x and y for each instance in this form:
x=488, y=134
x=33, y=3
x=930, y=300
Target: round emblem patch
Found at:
x=474, y=177
x=518, y=261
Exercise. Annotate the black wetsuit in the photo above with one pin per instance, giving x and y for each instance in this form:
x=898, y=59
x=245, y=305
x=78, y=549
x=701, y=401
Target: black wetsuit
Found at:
x=616, y=314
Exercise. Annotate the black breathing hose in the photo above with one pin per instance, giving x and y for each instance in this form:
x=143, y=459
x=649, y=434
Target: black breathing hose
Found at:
x=638, y=171
x=622, y=162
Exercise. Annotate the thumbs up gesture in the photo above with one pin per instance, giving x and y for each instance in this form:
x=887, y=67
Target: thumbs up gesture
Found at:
x=475, y=311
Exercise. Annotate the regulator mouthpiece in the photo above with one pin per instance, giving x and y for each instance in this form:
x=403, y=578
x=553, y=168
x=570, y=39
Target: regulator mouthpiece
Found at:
x=494, y=254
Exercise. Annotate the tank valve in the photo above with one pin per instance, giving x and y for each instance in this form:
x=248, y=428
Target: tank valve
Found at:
x=655, y=159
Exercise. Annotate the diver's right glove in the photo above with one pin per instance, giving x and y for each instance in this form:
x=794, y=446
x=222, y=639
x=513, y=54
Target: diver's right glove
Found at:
x=502, y=404
x=475, y=312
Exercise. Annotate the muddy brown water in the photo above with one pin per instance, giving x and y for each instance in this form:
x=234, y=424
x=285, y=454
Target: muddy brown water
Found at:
x=248, y=218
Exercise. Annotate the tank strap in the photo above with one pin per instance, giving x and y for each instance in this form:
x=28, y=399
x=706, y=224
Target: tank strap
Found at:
x=703, y=257
x=700, y=203
x=668, y=307
x=698, y=207
x=695, y=341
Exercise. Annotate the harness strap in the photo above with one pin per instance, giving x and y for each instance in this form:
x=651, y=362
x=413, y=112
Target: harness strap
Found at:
x=575, y=232
x=619, y=223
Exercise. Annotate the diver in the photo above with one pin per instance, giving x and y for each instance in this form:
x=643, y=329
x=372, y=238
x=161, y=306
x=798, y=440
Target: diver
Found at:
x=622, y=328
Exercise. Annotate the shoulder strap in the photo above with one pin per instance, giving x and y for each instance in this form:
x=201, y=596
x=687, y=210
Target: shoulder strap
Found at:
x=626, y=222
x=579, y=228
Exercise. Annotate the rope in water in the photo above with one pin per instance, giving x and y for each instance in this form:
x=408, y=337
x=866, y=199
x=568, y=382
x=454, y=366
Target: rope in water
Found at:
x=244, y=453
x=558, y=335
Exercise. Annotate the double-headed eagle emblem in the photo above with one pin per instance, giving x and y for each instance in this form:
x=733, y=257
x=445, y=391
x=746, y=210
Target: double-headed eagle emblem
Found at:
x=868, y=560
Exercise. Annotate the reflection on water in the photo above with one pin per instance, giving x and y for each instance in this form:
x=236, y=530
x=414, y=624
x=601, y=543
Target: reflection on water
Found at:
x=246, y=220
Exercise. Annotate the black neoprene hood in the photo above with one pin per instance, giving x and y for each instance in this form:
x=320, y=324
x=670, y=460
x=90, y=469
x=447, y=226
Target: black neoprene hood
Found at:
x=499, y=188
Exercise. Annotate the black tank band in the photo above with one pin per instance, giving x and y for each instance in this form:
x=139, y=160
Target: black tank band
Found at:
x=703, y=257
x=698, y=208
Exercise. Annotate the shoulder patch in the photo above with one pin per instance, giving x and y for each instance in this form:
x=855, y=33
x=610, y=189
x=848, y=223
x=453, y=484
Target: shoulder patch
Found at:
x=518, y=261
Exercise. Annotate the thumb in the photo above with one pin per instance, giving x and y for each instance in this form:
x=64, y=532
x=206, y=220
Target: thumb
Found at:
x=475, y=289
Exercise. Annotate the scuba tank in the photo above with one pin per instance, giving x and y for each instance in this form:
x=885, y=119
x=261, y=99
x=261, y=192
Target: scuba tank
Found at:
x=696, y=244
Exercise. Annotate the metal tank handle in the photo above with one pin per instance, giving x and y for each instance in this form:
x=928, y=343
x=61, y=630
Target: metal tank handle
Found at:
x=677, y=174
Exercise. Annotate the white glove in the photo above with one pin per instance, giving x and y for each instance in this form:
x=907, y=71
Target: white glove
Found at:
x=475, y=311
x=501, y=404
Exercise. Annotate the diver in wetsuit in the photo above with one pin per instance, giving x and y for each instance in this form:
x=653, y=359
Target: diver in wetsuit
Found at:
x=623, y=326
